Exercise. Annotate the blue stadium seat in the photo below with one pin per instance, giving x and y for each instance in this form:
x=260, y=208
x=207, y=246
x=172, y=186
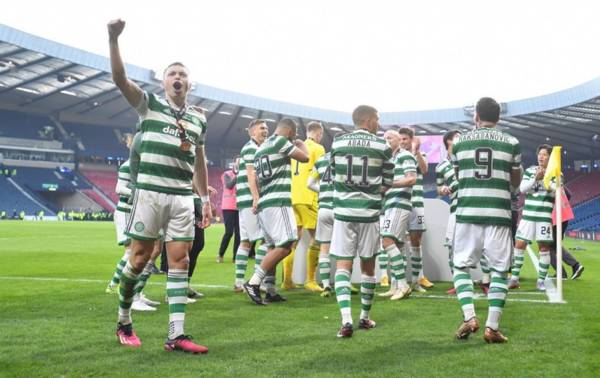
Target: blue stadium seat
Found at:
x=13, y=200
x=41, y=179
x=587, y=216
x=25, y=126
x=99, y=140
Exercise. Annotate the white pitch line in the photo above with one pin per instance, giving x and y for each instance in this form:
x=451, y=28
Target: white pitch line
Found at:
x=478, y=297
x=86, y=280
x=551, y=291
x=525, y=293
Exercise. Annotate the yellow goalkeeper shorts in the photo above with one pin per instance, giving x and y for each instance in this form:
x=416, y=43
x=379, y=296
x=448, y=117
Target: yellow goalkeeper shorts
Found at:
x=306, y=216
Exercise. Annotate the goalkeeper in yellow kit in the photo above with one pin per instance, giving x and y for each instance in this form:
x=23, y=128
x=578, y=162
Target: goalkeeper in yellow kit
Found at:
x=305, y=204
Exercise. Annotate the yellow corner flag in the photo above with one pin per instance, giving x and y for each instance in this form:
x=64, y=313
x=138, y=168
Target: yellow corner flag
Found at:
x=553, y=170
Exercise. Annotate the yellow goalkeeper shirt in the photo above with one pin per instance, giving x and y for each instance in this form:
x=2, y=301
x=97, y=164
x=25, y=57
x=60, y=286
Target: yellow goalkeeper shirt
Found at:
x=301, y=195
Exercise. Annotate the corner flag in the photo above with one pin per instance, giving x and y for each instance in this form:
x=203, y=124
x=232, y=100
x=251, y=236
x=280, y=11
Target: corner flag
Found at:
x=553, y=170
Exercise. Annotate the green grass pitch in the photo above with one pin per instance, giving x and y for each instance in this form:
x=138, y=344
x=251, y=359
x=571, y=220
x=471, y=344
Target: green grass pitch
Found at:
x=56, y=321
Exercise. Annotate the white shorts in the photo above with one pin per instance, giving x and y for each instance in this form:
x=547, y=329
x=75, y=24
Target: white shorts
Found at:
x=538, y=231
x=394, y=224
x=324, y=226
x=450, y=229
x=249, y=228
x=152, y=211
x=417, y=219
x=473, y=240
x=278, y=226
x=351, y=239
x=120, y=220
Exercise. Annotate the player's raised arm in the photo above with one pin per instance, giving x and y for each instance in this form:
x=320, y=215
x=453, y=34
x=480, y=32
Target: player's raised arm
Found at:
x=421, y=161
x=130, y=90
x=300, y=153
x=529, y=179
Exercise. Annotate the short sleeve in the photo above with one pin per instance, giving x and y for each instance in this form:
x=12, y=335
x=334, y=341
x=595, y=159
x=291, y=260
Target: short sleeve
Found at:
x=142, y=106
x=439, y=177
x=318, y=152
x=332, y=162
x=517, y=154
x=248, y=157
x=453, y=159
x=201, y=138
x=286, y=147
x=409, y=165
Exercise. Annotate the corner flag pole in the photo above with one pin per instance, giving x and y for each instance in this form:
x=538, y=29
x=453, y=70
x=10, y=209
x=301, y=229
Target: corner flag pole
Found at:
x=559, y=262
x=554, y=172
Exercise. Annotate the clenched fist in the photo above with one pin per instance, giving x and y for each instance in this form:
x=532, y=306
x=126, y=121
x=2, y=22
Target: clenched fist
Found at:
x=115, y=28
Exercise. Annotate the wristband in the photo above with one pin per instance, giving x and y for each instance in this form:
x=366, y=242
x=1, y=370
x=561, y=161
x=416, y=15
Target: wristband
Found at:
x=205, y=199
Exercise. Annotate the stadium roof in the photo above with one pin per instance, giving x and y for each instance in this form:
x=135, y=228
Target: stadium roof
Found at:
x=42, y=76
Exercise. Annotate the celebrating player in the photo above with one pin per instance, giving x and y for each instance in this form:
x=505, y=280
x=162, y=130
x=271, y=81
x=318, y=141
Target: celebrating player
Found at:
x=397, y=209
x=447, y=185
x=362, y=169
x=304, y=202
x=171, y=157
x=488, y=161
x=121, y=216
x=417, y=225
x=247, y=199
x=275, y=215
x=320, y=182
x=536, y=222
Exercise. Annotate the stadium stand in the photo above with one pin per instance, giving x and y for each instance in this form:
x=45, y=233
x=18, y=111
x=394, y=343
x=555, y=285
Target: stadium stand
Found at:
x=78, y=201
x=98, y=140
x=106, y=180
x=25, y=126
x=92, y=122
x=14, y=200
x=98, y=199
x=43, y=179
x=572, y=176
x=587, y=216
x=584, y=187
x=103, y=180
x=54, y=189
x=214, y=180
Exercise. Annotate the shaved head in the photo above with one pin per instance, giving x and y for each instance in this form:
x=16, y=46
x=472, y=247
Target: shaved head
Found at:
x=393, y=139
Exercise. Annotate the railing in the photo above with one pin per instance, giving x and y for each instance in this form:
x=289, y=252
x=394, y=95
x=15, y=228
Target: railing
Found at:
x=31, y=143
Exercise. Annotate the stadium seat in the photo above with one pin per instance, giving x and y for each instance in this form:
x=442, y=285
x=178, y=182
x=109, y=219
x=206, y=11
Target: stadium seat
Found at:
x=25, y=126
x=14, y=200
x=587, y=216
x=99, y=141
x=584, y=187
